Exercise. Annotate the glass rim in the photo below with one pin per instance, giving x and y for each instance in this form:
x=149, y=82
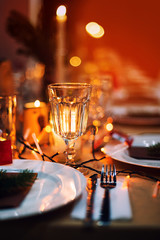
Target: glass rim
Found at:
x=69, y=85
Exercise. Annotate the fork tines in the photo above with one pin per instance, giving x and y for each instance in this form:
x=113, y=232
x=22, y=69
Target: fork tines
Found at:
x=108, y=177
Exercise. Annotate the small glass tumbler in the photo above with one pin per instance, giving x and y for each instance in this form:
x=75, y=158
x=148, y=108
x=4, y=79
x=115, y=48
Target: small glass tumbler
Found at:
x=100, y=97
x=8, y=120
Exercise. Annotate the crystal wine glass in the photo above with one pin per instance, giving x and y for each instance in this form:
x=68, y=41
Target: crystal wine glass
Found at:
x=69, y=108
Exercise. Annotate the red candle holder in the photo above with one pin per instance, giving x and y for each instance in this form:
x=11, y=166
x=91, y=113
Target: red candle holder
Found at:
x=5, y=152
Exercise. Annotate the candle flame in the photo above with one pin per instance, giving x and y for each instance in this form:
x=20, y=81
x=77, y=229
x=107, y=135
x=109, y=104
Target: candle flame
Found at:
x=61, y=11
x=37, y=103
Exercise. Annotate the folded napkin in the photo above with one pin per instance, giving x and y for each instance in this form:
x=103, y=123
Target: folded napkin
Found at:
x=143, y=153
x=119, y=202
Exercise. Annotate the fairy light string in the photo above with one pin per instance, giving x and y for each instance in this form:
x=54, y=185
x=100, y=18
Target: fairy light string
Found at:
x=92, y=129
x=35, y=150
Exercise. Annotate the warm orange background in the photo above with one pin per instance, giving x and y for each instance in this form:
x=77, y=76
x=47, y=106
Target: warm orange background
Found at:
x=131, y=28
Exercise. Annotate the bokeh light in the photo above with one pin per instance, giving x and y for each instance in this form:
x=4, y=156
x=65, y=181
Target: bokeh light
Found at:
x=95, y=30
x=75, y=61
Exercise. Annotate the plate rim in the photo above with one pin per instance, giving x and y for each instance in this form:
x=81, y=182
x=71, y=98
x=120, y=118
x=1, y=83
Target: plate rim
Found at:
x=120, y=156
x=122, y=159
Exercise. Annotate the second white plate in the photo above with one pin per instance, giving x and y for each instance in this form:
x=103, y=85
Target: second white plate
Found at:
x=139, y=140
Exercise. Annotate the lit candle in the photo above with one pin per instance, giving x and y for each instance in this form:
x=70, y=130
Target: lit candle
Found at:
x=35, y=118
x=61, y=22
x=34, y=7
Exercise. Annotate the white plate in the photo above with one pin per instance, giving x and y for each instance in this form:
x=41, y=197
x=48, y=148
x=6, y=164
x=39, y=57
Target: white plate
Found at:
x=139, y=140
x=56, y=186
x=133, y=114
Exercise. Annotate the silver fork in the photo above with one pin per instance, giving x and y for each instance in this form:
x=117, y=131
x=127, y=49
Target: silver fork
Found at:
x=107, y=181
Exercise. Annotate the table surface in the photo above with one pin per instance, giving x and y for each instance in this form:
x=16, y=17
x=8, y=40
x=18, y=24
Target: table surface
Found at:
x=58, y=223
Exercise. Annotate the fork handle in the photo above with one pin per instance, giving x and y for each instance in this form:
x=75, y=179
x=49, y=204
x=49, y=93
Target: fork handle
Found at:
x=105, y=209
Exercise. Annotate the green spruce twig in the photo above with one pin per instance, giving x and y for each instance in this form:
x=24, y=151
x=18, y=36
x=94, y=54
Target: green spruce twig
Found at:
x=154, y=150
x=14, y=182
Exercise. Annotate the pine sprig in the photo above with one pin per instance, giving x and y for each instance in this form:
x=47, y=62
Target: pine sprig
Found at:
x=154, y=150
x=15, y=182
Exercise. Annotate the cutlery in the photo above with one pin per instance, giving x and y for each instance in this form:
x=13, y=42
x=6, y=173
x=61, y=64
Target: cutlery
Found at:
x=91, y=187
x=107, y=181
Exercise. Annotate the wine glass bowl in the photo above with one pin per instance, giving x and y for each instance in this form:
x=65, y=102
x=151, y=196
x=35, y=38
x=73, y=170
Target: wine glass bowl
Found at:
x=69, y=108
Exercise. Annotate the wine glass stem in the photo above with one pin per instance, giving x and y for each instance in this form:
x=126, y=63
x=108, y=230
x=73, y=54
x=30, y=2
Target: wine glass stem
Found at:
x=70, y=151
